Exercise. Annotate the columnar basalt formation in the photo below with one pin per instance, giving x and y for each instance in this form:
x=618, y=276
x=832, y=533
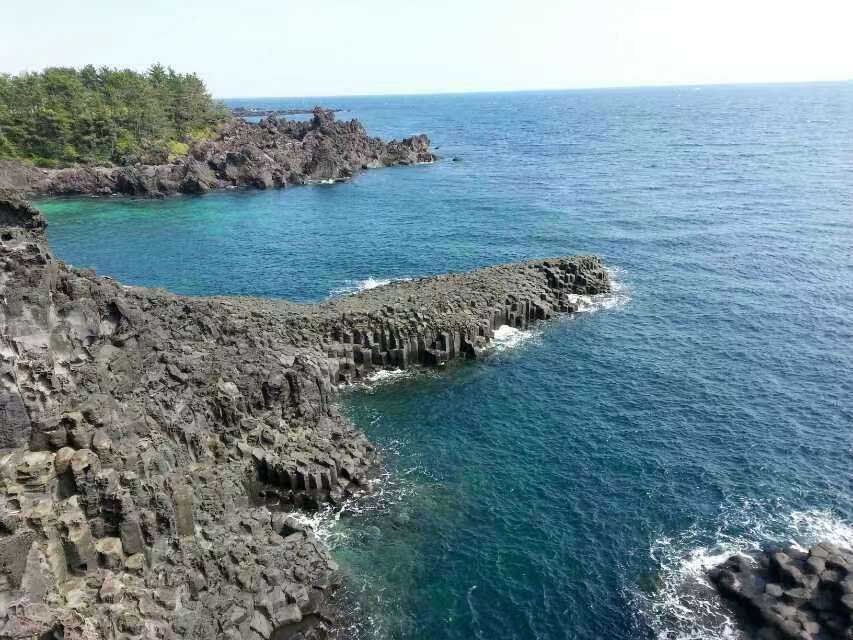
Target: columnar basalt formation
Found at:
x=274, y=153
x=151, y=444
x=791, y=593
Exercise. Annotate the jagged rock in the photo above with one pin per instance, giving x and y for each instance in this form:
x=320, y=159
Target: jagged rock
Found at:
x=787, y=593
x=13, y=559
x=164, y=422
x=110, y=553
x=273, y=153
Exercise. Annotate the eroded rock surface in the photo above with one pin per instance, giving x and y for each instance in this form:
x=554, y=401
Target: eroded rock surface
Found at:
x=273, y=153
x=144, y=436
x=791, y=594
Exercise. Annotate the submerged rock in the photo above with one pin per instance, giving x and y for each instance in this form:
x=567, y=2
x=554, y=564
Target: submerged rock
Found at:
x=790, y=593
x=143, y=434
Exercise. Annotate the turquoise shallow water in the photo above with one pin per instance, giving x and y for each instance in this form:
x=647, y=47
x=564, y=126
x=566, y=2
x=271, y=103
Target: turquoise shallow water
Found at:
x=572, y=484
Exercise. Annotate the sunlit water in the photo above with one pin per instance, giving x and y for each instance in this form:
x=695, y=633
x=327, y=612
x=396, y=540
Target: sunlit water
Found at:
x=577, y=481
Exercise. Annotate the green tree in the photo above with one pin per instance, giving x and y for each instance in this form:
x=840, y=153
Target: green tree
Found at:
x=99, y=115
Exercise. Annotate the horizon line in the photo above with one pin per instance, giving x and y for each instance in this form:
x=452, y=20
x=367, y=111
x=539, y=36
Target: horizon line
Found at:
x=678, y=85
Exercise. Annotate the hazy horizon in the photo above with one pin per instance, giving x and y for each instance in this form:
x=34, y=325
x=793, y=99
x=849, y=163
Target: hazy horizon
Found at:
x=710, y=85
x=380, y=47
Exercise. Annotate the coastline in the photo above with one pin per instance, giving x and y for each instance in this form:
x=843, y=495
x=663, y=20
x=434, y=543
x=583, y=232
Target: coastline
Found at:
x=274, y=153
x=142, y=428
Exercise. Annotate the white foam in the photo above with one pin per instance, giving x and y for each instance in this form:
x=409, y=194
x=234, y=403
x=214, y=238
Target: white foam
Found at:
x=685, y=606
x=351, y=287
x=382, y=493
x=388, y=375
x=618, y=297
x=507, y=337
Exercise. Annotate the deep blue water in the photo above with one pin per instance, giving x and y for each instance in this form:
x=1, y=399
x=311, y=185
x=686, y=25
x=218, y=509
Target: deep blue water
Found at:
x=572, y=486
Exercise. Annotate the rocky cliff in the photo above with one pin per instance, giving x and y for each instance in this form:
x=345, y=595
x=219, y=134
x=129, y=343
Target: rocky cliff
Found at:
x=143, y=435
x=273, y=153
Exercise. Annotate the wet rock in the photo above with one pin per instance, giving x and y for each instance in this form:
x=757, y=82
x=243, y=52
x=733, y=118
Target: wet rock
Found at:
x=787, y=593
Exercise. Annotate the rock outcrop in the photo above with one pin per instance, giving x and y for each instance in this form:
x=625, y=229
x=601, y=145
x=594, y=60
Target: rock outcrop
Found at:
x=791, y=594
x=151, y=445
x=274, y=153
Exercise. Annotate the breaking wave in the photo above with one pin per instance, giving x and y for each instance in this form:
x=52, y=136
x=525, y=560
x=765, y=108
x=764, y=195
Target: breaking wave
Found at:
x=684, y=605
x=618, y=297
x=383, y=492
x=507, y=337
x=351, y=287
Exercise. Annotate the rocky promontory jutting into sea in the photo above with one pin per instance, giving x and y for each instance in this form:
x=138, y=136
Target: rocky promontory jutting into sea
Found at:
x=273, y=153
x=145, y=435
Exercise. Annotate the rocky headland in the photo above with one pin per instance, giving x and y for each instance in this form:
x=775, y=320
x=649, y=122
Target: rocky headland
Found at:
x=144, y=436
x=258, y=112
x=274, y=153
x=789, y=593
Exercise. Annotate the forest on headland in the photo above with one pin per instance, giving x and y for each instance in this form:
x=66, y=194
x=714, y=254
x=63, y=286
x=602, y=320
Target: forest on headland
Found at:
x=64, y=116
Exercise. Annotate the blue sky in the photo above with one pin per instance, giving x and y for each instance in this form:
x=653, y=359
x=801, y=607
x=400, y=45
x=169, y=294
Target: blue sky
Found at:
x=338, y=47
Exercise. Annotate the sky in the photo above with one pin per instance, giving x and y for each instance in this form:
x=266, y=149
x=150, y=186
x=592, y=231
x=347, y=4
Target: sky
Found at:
x=352, y=47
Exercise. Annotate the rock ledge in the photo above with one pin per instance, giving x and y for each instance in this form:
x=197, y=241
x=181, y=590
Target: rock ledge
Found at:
x=790, y=593
x=151, y=445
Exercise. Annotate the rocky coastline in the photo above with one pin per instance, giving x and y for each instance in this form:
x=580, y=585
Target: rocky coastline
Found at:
x=274, y=153
x=790, y=593
x=143, y=433
x=257, y=112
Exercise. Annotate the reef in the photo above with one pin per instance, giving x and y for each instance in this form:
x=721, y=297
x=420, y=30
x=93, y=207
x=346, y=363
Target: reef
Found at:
x=274, y=153
x=791, y=593
x=154, y=446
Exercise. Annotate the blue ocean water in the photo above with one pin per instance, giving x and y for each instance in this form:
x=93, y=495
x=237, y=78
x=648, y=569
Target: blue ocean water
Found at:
x=575, y=482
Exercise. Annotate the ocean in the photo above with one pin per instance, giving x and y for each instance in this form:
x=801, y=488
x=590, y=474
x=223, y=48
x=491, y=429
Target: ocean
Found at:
x=577, y=480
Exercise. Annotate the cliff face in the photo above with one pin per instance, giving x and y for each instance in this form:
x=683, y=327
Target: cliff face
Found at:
x=143, y=436
x=274, y=153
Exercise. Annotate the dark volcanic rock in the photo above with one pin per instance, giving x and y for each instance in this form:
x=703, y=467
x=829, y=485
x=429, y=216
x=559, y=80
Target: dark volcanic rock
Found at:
x=144, y=434
x=274, y=153
x=788, y=593
x=17, y=213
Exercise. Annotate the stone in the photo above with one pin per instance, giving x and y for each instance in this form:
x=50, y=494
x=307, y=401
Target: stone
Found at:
x=62, y=461
x=79, y=431
x=111, y=589
x=13, y=557
x=261, y=625
x=183, y=497
x=290, y=614
x=110, y=553
x=815, y=565
x=130, y=533
x=135, y=563
x=800, y=597
x=76, y=536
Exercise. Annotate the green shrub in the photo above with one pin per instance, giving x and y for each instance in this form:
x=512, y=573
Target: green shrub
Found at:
x=177, y=149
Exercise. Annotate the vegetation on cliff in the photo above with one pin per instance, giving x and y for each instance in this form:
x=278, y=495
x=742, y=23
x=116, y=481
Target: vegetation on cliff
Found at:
x=63, y=116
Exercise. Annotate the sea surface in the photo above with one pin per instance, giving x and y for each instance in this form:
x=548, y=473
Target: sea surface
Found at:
x=577, y=481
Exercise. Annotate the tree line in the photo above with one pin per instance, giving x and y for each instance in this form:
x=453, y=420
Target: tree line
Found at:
x=62, y=116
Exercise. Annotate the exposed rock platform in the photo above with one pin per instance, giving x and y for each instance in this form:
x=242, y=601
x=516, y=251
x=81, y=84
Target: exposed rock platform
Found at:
x=790, y=593
x=143, y=436
x=273, y=153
